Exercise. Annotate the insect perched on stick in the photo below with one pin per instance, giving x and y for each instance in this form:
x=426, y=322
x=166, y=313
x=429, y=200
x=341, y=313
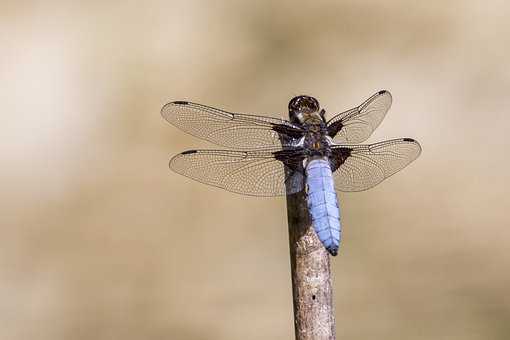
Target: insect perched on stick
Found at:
x=272, y=156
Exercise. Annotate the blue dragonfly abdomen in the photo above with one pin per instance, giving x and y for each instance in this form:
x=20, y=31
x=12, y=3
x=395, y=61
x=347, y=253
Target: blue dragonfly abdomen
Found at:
x=323, y=203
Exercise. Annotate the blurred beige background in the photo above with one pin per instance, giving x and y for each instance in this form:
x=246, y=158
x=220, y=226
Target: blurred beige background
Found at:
x=100, y=240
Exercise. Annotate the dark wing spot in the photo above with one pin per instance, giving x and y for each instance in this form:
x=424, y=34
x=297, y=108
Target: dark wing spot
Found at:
x=338, y=157
x=181, y=102
x=288, y=131
x=291, y=158
x=334, y=128
x=280, y=155
x=409, y=140
x=382, y=92
x=188, y=152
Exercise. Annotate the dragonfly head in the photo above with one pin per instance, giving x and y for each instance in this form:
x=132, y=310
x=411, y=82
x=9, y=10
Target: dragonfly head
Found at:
x=303, y=109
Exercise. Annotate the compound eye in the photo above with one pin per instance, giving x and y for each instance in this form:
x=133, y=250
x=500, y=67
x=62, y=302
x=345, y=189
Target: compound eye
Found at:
x=304, y=104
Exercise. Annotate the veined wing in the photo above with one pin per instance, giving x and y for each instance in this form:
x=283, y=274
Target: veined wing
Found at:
x=357, y=124
x=263, y=172
x=360, y=167
x=232, y=130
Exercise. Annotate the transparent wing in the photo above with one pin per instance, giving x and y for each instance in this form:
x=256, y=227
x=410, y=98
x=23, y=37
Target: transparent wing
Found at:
x=255, y=173
x=360, y=167
x=357, y=124
x=231, y=130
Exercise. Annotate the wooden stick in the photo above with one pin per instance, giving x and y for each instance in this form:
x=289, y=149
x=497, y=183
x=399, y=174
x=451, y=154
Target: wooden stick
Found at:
x=311, y=276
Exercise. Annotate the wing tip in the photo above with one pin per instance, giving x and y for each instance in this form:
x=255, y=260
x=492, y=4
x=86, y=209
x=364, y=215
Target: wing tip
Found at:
x=178, y=156
x=387, y=93
x=415, y=142
x=177, y=102
x=180, y=102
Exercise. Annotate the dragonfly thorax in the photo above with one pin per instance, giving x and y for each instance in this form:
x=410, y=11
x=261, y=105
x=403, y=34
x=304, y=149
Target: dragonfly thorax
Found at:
x=316, y=142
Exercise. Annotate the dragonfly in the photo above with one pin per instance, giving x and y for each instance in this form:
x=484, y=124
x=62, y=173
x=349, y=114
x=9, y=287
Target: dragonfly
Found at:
x=269, y=156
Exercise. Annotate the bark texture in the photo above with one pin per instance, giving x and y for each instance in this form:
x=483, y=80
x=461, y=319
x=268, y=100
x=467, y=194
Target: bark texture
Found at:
x=311, y=276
